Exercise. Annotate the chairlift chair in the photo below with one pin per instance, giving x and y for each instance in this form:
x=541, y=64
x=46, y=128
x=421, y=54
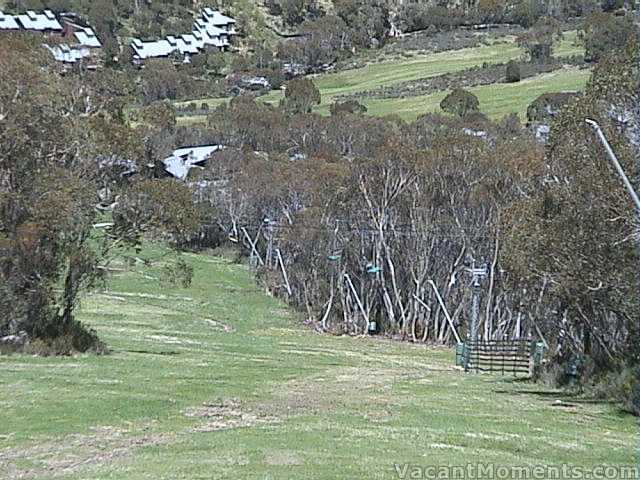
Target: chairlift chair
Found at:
x=373, y=269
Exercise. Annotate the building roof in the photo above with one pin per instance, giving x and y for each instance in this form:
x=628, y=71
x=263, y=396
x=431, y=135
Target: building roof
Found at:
x=185, y=44
x=46, y=22
x=211, y=30
x=65, y=53
x=155, y=49
x=87, y=38
x=39, y=21
x=206, y=32
x=184, y=159
x=216, y=18
x=8, y=22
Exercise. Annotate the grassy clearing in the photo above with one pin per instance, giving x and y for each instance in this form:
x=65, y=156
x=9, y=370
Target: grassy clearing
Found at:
x=384, y=72
x=418, y=66
x=219, y=381
x=495, y=100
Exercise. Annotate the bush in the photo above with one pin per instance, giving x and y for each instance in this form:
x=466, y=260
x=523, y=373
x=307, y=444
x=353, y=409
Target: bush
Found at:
x=548, y=106
x=301, y=95
x=204, y=107
x=417, y=16
x=513, y=73
x=606, y=34
x=75, y=339
x=349, y=106
x=178, y=274
x=622, y=387
x=635, y=392
x=460, y=102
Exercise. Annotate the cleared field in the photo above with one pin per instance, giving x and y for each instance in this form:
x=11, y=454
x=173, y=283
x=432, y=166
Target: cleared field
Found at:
x=387, y=72
x=417, y=66
x=220, y=381
x=495, y=100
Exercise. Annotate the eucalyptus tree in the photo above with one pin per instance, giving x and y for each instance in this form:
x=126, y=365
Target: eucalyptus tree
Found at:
x=62, y=140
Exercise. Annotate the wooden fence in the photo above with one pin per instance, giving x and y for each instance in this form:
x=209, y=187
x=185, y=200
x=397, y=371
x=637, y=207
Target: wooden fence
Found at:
x=507, y=357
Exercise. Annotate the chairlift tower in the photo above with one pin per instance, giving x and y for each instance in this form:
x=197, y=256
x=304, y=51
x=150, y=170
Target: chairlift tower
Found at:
x=478, y=274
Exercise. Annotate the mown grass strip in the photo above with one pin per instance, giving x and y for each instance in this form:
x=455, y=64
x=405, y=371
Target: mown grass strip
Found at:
x=183, y=397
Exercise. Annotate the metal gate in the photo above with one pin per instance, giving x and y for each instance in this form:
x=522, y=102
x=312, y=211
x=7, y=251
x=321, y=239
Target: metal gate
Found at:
x=507, y=357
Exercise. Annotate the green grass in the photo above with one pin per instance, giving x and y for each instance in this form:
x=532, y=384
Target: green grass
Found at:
x=496, y=101
x=212, y=102
x=385, y=72
x=282, y=401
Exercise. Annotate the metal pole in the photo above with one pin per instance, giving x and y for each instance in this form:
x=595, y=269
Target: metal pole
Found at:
x=475, y=309
x=616, y=163
x=444, y=309
x=478, y=275
x=623, y=176
x=284, y=272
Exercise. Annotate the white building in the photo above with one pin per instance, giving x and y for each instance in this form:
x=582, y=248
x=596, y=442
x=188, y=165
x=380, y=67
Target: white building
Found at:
x=86, y=41
x=87, y=38
x=8, y=22
x=68, y=54
x=211, y=29
x=184, y=159
x=39, y=22
x=84, y=38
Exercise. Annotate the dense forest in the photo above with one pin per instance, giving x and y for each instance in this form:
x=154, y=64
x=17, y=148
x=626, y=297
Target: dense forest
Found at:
x=352, y=219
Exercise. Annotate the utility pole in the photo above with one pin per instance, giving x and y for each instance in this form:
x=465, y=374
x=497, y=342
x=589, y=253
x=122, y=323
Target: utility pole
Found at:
x=616, y=164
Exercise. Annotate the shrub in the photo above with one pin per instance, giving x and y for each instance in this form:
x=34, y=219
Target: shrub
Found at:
x=635, y=392
x=301, y=95
x=513, y=73
x=460, y=102
x=350, y=106
x=178, y=274
x=418, y=16
x=161, y=114
x=76, y=338
x=605, y=34
x=538, y=41
x=622, y=387
x=204, y=107
x=548, y=106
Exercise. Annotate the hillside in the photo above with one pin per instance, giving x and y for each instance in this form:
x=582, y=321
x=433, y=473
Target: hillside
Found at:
x=391, y=71
x=262, y=249
x=219, y=380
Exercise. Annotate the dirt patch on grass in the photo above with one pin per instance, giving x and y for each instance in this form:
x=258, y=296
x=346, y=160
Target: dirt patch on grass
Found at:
x=225, y=415
x=284, y=458
x=72, y=453
x=326, y=393
x=223, y=327
x=167, y=339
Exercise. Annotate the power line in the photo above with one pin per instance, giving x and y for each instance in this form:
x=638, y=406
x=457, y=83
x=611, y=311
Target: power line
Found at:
x=476, y=232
